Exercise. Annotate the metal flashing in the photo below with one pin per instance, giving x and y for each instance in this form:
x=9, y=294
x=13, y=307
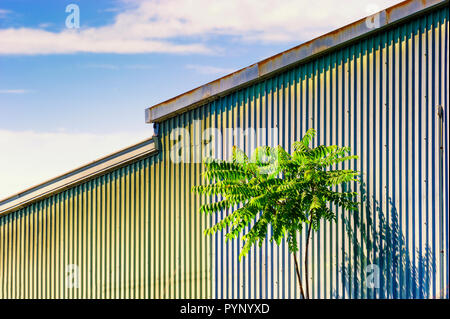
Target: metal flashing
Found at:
x=81, y=174
x=279, y=62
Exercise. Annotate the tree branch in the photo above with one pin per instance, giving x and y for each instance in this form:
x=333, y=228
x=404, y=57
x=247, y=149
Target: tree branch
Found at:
x=298, y=275
x=306, y=256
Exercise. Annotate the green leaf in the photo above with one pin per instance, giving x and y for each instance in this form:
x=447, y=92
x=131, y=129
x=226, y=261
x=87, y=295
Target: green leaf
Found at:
x=273, y=193
x=316, y=203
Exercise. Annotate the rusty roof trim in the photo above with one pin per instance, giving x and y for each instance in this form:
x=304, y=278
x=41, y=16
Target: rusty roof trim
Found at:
x=281, y=61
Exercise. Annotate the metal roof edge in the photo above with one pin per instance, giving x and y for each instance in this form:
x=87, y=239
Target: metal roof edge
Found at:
x=193, y=98
x=79, y=175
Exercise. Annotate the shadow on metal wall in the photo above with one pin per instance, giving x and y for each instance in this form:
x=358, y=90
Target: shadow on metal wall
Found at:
x=399, y=271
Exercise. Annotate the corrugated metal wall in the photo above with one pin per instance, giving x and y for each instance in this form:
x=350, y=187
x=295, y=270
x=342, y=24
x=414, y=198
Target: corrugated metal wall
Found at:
x=136, y=232
x=380, y=97
x=126, y=237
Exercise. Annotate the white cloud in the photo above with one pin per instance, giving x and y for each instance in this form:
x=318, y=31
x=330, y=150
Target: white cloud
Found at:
x=117, y=67
x=102, y=66
x=15, y=91
x=4, y=13
x=28, y=41
x=29, y=158
x=156, y=25
x=209, y=69
x=140, y=66
x=45, y=25
x=113, y=9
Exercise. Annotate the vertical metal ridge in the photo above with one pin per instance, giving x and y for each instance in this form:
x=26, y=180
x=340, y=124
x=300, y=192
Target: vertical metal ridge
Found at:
x=379, y=97
x=136, y=232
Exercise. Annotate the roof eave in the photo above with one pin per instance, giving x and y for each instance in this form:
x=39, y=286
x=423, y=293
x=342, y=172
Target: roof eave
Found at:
x=80, y=175
x=281, y=61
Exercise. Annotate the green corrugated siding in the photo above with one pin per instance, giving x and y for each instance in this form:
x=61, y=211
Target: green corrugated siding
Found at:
x=128, y=239
x=136, y=232
x=379, y=96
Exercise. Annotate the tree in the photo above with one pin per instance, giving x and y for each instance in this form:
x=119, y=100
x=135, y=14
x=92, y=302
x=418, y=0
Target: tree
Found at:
x=288, y=192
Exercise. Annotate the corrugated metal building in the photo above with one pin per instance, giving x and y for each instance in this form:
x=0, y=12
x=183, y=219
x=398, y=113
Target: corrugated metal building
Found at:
x=128, y=225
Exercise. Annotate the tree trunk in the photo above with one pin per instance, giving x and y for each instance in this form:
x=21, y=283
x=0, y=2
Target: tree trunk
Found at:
x=298, y=275
x=306, y=259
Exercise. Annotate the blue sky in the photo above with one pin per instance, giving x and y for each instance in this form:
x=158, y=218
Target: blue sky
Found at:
x=68, y=96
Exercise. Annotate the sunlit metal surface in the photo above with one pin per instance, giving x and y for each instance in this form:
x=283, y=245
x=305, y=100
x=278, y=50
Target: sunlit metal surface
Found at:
x=137, y=232
x=274, y=64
